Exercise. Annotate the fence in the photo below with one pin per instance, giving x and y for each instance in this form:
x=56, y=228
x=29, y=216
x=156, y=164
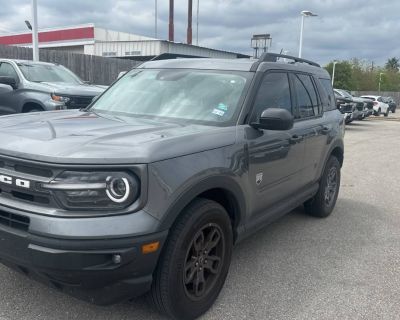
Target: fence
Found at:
x=94, y=69
x=394, y=95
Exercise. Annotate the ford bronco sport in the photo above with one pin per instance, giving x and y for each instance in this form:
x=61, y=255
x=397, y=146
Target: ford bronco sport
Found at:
x=149, y=188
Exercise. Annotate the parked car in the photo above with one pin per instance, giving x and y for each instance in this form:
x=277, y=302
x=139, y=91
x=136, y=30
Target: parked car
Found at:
x=379, y=105
x=149, y=188
x=345, y=106
x=357, y=105
x=392, y=104
x=368, y=107
x=40, y=86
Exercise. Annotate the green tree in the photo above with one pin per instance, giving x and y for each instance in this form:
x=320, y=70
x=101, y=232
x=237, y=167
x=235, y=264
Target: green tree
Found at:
x=343, y=75
x=392, y=64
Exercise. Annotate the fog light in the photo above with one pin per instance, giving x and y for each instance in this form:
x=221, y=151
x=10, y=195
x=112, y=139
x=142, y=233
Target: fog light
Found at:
x=117, y=258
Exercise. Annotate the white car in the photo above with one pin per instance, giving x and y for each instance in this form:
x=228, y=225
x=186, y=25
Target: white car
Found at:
x=379, y=106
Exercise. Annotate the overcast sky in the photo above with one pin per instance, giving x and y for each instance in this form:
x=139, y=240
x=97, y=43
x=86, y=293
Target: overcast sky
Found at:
x=344, y=29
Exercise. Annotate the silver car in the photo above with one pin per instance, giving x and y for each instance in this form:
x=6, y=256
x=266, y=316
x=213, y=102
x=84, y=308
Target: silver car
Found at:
x=27, y=86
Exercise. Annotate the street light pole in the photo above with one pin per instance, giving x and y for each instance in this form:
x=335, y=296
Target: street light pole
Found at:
x=304, y=14
x=333, y=72
x=301, y=36
x=380, y=80
x=35, y=40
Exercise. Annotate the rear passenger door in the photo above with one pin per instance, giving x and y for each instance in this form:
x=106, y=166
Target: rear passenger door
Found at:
x=309, y=120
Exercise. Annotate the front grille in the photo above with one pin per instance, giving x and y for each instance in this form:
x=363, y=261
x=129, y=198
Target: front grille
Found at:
x=14, y=221
x=32, y=173
x=346, y=108
x=78, y=102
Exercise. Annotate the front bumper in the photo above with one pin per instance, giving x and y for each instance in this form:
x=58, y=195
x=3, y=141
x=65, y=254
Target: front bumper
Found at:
x=348, y=117
x=101, y=271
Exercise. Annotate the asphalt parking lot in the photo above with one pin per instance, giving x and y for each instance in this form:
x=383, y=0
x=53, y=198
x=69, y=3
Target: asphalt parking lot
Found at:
x=343, y=267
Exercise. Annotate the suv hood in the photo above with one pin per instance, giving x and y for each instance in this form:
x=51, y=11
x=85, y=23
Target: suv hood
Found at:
x=71, y=89
x=77, y=137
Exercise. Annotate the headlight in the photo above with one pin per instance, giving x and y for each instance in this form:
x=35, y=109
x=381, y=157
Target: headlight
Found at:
x=59, y=98
x=94, y=190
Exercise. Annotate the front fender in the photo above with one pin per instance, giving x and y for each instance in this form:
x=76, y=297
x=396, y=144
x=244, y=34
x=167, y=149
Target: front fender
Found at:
x=174, y=183
x=194, y=189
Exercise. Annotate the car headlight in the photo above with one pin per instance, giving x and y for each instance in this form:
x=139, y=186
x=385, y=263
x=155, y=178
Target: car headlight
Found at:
x=59, y=98
x=77, y=190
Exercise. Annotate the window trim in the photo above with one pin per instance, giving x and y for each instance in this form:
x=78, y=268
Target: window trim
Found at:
x=258, y=86
x=297, y=117
x=318, y=79
x=18, y=80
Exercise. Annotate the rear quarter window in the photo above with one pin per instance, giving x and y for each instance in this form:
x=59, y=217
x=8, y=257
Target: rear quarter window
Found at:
x=326, y=93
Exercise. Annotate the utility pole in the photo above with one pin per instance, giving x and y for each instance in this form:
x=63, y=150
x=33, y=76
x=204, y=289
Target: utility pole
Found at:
x=189, y=28
x=35, y=40
x=197, y=22
x=155, y=19
x=171, y=21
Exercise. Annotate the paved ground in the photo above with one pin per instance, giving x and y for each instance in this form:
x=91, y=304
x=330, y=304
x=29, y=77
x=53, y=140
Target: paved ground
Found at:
x=343, y=267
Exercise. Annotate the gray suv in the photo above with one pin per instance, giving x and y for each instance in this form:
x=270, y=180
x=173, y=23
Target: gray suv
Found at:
x=150, y=187
x=27, y=86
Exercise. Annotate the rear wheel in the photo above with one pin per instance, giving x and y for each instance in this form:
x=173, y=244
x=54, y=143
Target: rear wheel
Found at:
x=324, y=201
x=387, y=112
x=195, y=261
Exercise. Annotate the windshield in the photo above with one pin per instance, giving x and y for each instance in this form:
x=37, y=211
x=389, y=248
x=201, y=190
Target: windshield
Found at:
x=48, y=73
x=198, y=95
x=344, y=93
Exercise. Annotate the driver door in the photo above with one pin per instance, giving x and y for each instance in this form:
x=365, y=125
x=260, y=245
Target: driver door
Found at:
x=276, y=158
x=8, y=98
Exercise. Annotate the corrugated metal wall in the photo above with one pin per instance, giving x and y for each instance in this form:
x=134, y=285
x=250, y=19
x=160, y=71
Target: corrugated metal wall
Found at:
x=154, y=48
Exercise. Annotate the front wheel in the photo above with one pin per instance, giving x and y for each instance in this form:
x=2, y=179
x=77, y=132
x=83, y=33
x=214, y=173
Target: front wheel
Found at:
x=378, y=113
x=195, y=261
x=324, y=201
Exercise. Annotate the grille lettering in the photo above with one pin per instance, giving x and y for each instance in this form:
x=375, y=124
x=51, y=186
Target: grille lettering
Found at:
x=18, y=182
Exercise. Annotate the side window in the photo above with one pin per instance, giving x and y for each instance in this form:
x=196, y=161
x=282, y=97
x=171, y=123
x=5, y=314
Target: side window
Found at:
x=274, y=92
x=307, y=100
x=326, y=93
x=7, y=70
x=380, y=99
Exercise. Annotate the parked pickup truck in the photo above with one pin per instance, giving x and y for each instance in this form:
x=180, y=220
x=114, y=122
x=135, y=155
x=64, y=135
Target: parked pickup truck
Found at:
x=345, y=106
x=28, y=86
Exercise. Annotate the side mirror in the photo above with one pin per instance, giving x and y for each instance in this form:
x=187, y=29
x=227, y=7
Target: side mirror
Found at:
x=121, y=74
x=5, y=88
x=275, y=119
x=9, y=81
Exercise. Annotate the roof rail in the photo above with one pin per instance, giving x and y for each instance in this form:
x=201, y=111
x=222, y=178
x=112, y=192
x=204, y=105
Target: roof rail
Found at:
x=273, y=57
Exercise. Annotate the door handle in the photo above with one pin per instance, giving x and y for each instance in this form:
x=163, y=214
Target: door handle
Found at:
x=295, y=139
x=325, y=130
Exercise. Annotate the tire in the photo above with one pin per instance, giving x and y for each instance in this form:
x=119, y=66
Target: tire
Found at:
x=321, y=205
x=387, y=112
x=34, y=110
x=177, y=293
x=378, y=113
x=394, y=110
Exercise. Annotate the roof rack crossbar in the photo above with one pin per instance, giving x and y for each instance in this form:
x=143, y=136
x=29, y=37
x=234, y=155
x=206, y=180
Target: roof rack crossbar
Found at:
x=273, y=57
